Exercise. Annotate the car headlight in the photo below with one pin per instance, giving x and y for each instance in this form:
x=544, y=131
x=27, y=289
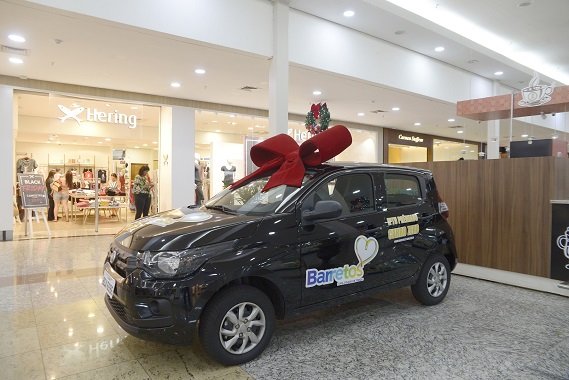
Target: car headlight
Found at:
x=169, y=264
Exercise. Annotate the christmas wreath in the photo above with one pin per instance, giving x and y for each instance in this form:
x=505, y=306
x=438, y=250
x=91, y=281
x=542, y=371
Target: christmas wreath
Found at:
x=318, y=113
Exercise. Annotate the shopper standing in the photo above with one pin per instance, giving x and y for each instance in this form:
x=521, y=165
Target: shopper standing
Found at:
x=61, y=186
x=48, y=182
x=141, y=189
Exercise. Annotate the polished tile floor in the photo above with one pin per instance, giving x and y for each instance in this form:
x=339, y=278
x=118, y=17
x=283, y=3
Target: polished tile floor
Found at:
x=55, y=325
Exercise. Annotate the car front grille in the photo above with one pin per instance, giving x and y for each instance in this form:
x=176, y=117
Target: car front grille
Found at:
x=119, y=309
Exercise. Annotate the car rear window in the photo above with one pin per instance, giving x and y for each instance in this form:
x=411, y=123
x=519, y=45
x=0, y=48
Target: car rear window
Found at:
x=402, y=190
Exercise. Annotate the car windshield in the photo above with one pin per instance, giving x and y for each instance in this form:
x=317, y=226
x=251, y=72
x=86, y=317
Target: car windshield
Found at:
x=250, y=200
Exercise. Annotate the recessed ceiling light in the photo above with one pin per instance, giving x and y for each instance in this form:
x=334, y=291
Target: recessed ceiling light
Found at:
x=136, y=147
x=498, y=73
x=231, y=115
x=233, y=123
x=471, y=151
x=451, y=120
x=99, y=142
x=175, y=84
x=144, y=144
x=217, y=130
x=467, y=146
x=250, y=128
x=107, y=139
x=214, y=121
x=361, y=114
x=417, y=124
x=16, y=38
x=16, y=60
x=316, y=92
x=524, y=135
x=199, y=71
x=154, y=142
x=395, y=109
x=555, y=137
x=438, y=49
x=460, y=131
x=349, y=13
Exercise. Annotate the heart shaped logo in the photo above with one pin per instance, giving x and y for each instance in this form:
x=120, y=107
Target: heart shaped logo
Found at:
x=366, y=249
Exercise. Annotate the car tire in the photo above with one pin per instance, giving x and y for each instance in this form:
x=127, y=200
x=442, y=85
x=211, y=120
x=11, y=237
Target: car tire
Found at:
x=228, y=333
x=433, y=282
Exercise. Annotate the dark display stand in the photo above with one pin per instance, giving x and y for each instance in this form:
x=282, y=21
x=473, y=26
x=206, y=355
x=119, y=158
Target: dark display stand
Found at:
x=560, y=240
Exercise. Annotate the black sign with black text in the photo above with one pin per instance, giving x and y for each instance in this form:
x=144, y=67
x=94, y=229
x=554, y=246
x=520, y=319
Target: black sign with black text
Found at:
x=33, y=191
x=560, y=241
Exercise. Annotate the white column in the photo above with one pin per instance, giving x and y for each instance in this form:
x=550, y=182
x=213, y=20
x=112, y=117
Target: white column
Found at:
x=493, y=136
x=7, y=180
x=278, y=74
x=176, y=157
x=493, y=143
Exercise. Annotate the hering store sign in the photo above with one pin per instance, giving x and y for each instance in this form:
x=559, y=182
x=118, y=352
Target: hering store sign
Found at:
x=94, y=115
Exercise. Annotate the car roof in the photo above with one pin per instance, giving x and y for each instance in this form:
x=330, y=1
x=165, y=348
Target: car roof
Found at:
x=360, y=165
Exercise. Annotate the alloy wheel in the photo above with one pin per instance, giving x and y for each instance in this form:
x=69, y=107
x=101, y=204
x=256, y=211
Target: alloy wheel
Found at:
x=437, y=279
x=242, y=328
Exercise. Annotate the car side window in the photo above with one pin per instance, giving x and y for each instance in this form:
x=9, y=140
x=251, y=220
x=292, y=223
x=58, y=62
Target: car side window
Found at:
x=402, y=190
x=353, y=191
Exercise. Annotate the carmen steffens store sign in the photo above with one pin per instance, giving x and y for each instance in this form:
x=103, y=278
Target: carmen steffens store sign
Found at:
x=93, y=115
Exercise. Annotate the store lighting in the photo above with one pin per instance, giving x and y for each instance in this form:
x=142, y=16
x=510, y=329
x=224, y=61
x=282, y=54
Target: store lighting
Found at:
x=16, y=60
x=234, y=123
x=214, y=121
x=107, y=139
x=231, y=115
x=217, y=130
x=136, y=147
x=250, y=128
x=524, y=136
x=199, y=71
x=417, y=124
x=498, y=73
x=16, y=38
x=459, y=131
x=316, y=92
x=175, y=84
x=154, y=142
x=361, y=114
x=395, y=109
x=99, y=142
x=439, y=49
x=451, y=120
x=349, y=13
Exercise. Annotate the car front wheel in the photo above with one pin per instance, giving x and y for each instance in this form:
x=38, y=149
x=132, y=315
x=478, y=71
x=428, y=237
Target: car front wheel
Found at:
x=237, y=325
x=434, y=281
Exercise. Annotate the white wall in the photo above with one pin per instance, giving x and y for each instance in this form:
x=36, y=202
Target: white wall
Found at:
x=243, y=25
x=363, y=148
x=7, y=181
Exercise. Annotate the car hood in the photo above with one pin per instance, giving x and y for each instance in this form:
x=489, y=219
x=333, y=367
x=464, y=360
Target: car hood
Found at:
x=185, y=228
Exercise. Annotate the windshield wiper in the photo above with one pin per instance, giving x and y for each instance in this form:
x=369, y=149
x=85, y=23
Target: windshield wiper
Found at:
x=222, y=208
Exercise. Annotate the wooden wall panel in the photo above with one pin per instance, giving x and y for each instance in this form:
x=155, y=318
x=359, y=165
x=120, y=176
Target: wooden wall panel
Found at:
x=500, y=209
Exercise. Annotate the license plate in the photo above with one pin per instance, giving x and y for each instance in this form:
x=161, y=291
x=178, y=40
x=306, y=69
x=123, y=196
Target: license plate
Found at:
x=109, y=283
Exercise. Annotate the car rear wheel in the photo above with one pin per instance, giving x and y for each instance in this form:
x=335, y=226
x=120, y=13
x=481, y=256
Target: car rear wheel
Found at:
x=237, y=325
x=434, y=281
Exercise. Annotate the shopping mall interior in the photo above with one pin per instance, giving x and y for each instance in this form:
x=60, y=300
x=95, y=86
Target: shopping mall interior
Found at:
x=96, y=91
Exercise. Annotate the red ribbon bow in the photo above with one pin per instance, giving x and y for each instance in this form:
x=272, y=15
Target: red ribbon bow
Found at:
x=282, y=153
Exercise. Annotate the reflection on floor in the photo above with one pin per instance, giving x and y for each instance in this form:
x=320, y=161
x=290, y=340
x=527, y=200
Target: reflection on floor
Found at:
x=55, y=325
x=108, y=225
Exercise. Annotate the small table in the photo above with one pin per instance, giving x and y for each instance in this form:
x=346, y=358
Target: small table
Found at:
x=87, y=210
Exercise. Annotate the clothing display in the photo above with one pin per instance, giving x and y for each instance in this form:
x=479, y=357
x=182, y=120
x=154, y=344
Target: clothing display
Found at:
x=102, y=175
x=228, y=174
x=26, y=165
x=87, y=174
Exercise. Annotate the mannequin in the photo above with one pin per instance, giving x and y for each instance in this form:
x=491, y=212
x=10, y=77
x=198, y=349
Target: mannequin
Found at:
x=198, y=182
x=228, y=173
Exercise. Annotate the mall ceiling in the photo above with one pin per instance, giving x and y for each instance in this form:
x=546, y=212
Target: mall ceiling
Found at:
x=70, y=48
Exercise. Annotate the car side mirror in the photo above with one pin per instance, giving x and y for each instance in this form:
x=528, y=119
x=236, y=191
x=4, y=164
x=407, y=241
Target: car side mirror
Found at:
x=322, y=210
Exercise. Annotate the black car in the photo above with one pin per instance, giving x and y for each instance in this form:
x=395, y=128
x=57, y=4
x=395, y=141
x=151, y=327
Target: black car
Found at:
x=230, y=268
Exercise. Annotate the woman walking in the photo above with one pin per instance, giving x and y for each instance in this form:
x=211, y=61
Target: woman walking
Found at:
x=60, y=189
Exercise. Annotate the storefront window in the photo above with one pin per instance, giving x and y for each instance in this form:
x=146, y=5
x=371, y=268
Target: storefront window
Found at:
x=451, y=151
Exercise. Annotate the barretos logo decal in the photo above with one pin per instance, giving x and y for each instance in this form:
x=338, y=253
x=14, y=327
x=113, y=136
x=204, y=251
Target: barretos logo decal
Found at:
x=535, y=94
x=563, y=244
x=97, y=116
x=365, y=248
